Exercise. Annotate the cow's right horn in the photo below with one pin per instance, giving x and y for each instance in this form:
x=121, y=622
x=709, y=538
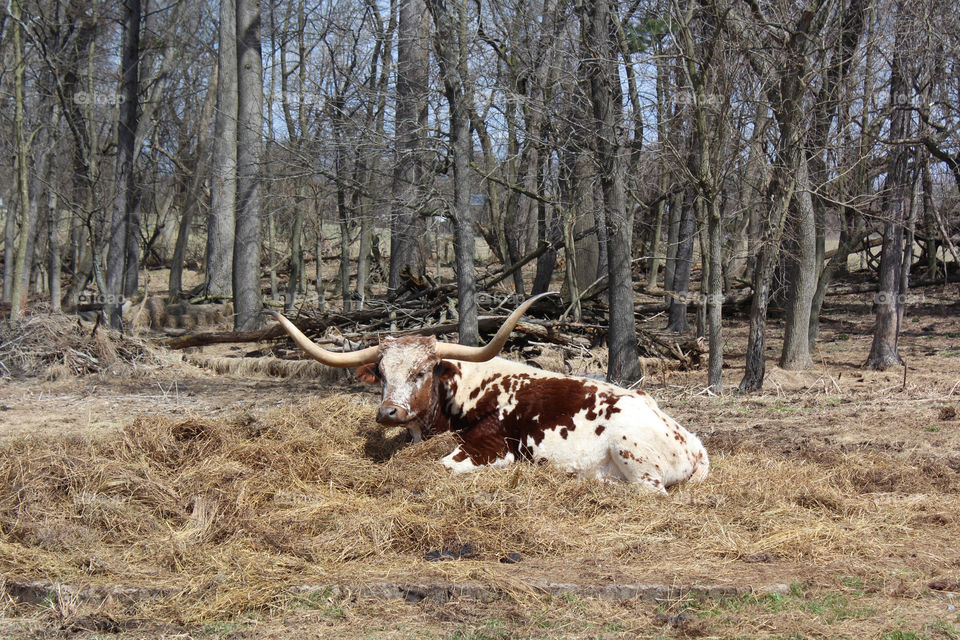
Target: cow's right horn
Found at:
x=492, y=348
x=329, y=358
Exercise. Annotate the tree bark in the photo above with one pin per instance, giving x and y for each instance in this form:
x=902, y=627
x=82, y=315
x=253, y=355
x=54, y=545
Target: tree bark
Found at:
x=123, y=217
x=452, y=44
x=221, y=223
x=247, y=296
x=406, y=224
x=889, y=302
x=803, y=282
x=191, y=202
x=599, y=42
x=18, y=293
x=680, y=282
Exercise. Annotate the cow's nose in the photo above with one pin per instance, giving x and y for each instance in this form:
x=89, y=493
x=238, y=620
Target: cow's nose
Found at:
x=390, y=414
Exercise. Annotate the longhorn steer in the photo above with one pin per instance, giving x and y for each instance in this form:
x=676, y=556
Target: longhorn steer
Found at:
x=503, y=411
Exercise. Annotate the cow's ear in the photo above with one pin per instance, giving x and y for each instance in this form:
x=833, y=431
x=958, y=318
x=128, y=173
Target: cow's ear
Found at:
x=367, y=373
x=445, y=369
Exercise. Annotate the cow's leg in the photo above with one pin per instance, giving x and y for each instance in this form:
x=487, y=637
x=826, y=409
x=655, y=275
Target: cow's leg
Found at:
x=459, y=462
x=635, y=468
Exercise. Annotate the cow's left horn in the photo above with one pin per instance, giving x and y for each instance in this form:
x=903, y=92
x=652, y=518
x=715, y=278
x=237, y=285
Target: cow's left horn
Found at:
x=492, y=348
x=329, y=358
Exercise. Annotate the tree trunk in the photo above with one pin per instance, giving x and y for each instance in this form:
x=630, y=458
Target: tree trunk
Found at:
x=191, y=203
x=452, y=42
x=406, y=224
x=549, y=232
x=123, y=216
x=246, y=252
x=53, y=238
x=715, y=298
x=680, y=284
x=221, y=223
x=673, y=241
x=18, y=293
x=296, y=249
x=889, y=301
x=321, y=293
x=803, y=282
x=780, y=192
x=599, y=42
x=9, y=245
x=175, y=282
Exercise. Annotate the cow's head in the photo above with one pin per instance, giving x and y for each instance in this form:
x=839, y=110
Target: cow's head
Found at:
x=408, y=368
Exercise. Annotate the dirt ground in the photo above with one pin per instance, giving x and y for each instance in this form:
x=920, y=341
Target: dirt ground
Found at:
x=866, y=543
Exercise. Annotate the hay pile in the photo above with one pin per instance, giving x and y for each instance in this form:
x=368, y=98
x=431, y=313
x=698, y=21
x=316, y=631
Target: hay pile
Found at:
x=227, y=517
x=52, y=346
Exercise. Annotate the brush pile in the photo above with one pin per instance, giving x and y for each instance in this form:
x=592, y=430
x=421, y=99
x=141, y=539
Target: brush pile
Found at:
x=424, y=308
x=53, y=345
x=222, y=517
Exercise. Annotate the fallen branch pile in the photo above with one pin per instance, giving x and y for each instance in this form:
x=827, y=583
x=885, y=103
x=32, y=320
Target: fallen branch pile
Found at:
x=425, y=308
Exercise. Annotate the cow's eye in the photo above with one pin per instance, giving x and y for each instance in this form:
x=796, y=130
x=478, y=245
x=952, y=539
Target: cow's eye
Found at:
x=421, y=375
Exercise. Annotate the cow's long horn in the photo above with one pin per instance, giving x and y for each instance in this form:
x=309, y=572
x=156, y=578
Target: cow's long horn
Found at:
x=329, y=358
x=492, y=348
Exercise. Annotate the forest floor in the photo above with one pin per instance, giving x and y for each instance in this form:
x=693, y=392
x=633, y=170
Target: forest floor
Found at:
x=163, y=501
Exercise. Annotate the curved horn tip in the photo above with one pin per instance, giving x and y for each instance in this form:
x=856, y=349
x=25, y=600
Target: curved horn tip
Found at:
x=271, y=312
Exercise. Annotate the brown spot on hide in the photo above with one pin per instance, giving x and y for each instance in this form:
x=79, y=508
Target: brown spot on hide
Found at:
x=484, y=384
x=609, y=400
x=600, y=429
x=486, y=436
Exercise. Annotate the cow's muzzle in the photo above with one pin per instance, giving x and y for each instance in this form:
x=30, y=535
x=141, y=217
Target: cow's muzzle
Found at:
x=390, y=414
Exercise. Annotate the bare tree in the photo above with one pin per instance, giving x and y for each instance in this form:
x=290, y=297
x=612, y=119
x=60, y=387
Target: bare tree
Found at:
x=453, y=39
x=17, y=286
x=889, y=302
x=123, y=220
x=223, y=164
x=406, y=223
x=599, y=42
x=246, y=248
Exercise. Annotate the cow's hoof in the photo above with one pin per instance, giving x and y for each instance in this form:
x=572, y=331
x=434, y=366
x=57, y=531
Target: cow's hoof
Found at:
x=511, y=558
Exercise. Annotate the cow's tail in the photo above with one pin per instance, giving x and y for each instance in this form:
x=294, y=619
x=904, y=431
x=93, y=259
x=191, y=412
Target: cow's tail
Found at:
x=701, y=466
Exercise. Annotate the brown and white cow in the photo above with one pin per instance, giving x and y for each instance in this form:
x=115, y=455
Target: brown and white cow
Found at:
x=503, y=411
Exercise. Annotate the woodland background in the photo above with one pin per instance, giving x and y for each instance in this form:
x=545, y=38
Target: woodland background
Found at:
x=713, y=152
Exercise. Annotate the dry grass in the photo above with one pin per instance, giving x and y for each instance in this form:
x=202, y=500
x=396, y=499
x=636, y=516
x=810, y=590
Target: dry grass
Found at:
x=55, y=346
x=229, y=517
x=267, y=366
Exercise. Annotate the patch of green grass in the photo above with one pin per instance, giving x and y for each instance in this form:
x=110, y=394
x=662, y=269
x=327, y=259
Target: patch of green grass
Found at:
x=950, y=352
x=320, y=601
x=932, y=429
x=834, y=607
x=843, y=336
x=854, y=583
x=829, y=608
x=219, y=629
x=491, y=630
x=782, y=408
x=936, y=631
